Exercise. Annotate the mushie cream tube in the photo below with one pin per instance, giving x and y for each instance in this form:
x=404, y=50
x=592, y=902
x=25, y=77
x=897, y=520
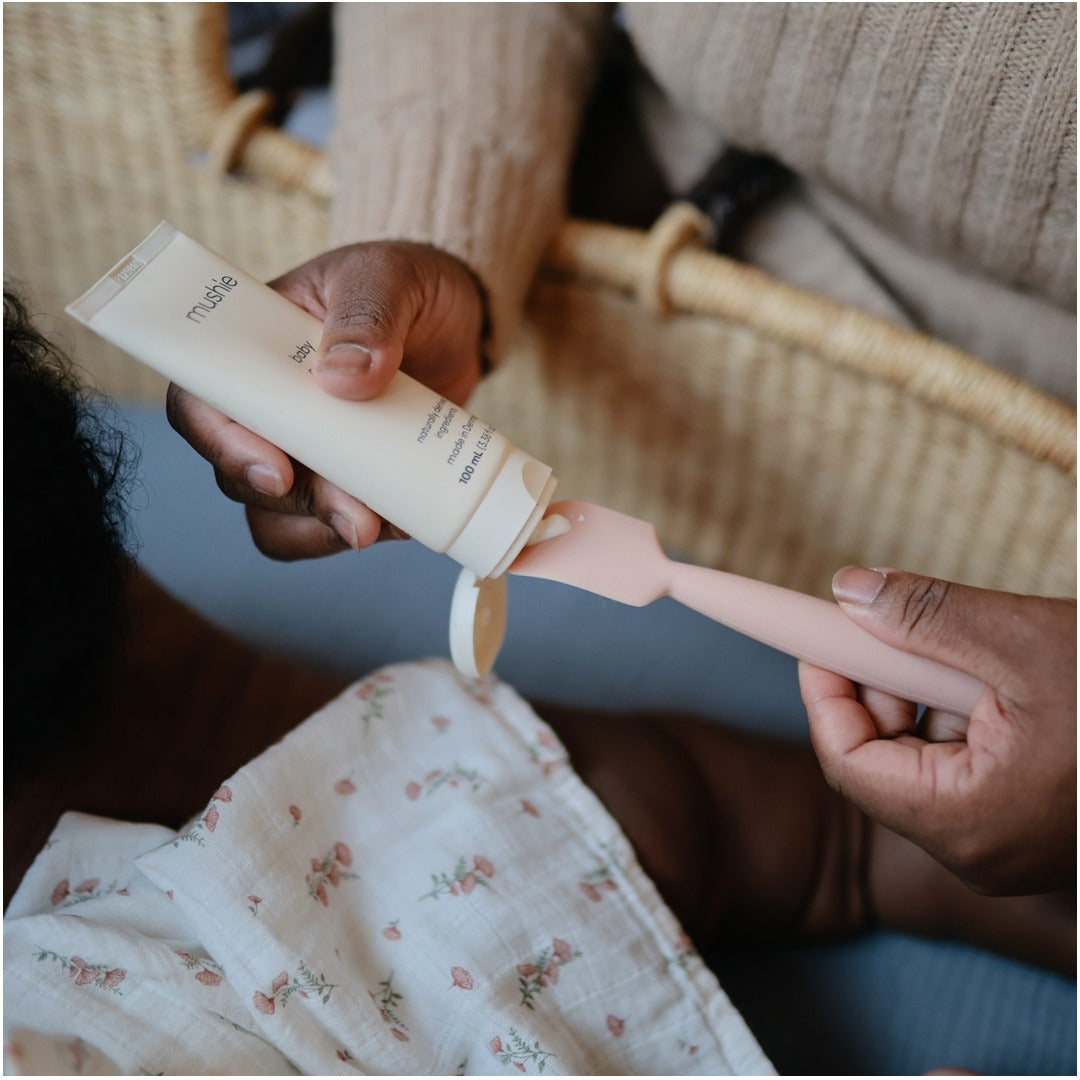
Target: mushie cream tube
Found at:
x=431, y=468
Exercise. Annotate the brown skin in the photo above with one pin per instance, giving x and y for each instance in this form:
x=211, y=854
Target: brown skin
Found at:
x=992, y=798
x=995, y=803
x=385, y=306
x=746, y=842
x=974, y=797
x=741, y=834
x=191, y=705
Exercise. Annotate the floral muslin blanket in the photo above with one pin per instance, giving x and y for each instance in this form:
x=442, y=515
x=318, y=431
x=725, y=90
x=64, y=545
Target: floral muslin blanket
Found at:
x=414, y=881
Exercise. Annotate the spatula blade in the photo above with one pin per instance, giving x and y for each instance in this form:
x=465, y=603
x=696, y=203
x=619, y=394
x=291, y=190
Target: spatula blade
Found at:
x=603, y=551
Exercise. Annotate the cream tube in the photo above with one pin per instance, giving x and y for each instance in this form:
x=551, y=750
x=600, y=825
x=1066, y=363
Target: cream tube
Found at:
x=431, y=468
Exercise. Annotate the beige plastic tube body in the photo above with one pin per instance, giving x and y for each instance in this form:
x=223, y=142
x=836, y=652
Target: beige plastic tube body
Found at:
x=426, y=465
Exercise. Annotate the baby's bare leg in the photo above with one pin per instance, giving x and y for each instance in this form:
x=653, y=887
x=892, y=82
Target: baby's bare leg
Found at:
x=745, y=840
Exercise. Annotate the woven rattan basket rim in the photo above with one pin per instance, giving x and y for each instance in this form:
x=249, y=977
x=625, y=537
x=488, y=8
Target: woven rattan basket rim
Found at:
x=702, y=283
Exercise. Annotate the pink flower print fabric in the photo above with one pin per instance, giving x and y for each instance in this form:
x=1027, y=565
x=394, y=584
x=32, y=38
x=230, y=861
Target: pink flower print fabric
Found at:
x=304, y=983
x=520, y=1055
x=207, y=823
x=205, y=970
x=80, y=969
x=381, y=893
x=544, y=971
x=389, y=1003
x=453, y=776
x=600, y=880
x=462, y=879
x=330, y=870
x=63, y=896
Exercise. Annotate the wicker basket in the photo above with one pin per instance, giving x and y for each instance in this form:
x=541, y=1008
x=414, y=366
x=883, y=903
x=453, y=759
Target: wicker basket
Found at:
x=762, y=428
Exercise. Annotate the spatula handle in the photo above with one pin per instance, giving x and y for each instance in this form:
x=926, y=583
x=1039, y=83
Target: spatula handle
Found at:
x=818, y=631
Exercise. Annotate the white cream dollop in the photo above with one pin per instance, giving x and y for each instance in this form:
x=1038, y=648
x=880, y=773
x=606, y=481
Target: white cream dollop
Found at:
x=548, y=528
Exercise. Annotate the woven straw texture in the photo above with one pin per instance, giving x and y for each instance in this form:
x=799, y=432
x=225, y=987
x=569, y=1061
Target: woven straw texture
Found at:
x=763, y=429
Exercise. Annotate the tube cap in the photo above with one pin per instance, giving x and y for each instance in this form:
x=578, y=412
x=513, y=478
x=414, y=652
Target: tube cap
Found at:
x=505, y=517
x=477, y=622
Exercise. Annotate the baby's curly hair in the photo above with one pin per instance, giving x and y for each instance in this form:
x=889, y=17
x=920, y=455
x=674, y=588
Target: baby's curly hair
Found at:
x=67, y=472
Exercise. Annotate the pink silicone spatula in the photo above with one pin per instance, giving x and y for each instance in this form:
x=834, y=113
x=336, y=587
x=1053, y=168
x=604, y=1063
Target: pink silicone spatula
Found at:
x=620, y=557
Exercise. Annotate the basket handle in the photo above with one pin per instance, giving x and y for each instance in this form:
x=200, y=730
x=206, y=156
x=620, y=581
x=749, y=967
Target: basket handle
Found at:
x=235, y=127
x=240, y=137
x=229, y=127
x=661, y=269
x=682, y=224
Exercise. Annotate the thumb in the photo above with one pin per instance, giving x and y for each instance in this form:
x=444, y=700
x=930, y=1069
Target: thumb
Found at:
x=368, y=317
x=973, y=630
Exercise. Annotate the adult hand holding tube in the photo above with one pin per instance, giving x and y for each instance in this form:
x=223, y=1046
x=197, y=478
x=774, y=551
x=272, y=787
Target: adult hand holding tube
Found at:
x=384, y=306
x=993, y=799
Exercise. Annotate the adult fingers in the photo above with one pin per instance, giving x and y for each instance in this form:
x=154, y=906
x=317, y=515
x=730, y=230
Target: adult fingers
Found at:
x=838, y=722
x=876, y=713
x=388, y=304
x=897, y=781
x=974, y=630
x=252, y=465
x=373, y=296
x=891, y=715
x=252, y=471
x=287, y=537
x=310, y=496
x=938, y=726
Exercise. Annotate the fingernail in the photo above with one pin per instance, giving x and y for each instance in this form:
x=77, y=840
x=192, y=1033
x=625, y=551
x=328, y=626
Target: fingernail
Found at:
x=857, y=585
x=265, y=479
x=346, y=358
x=346, y=529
